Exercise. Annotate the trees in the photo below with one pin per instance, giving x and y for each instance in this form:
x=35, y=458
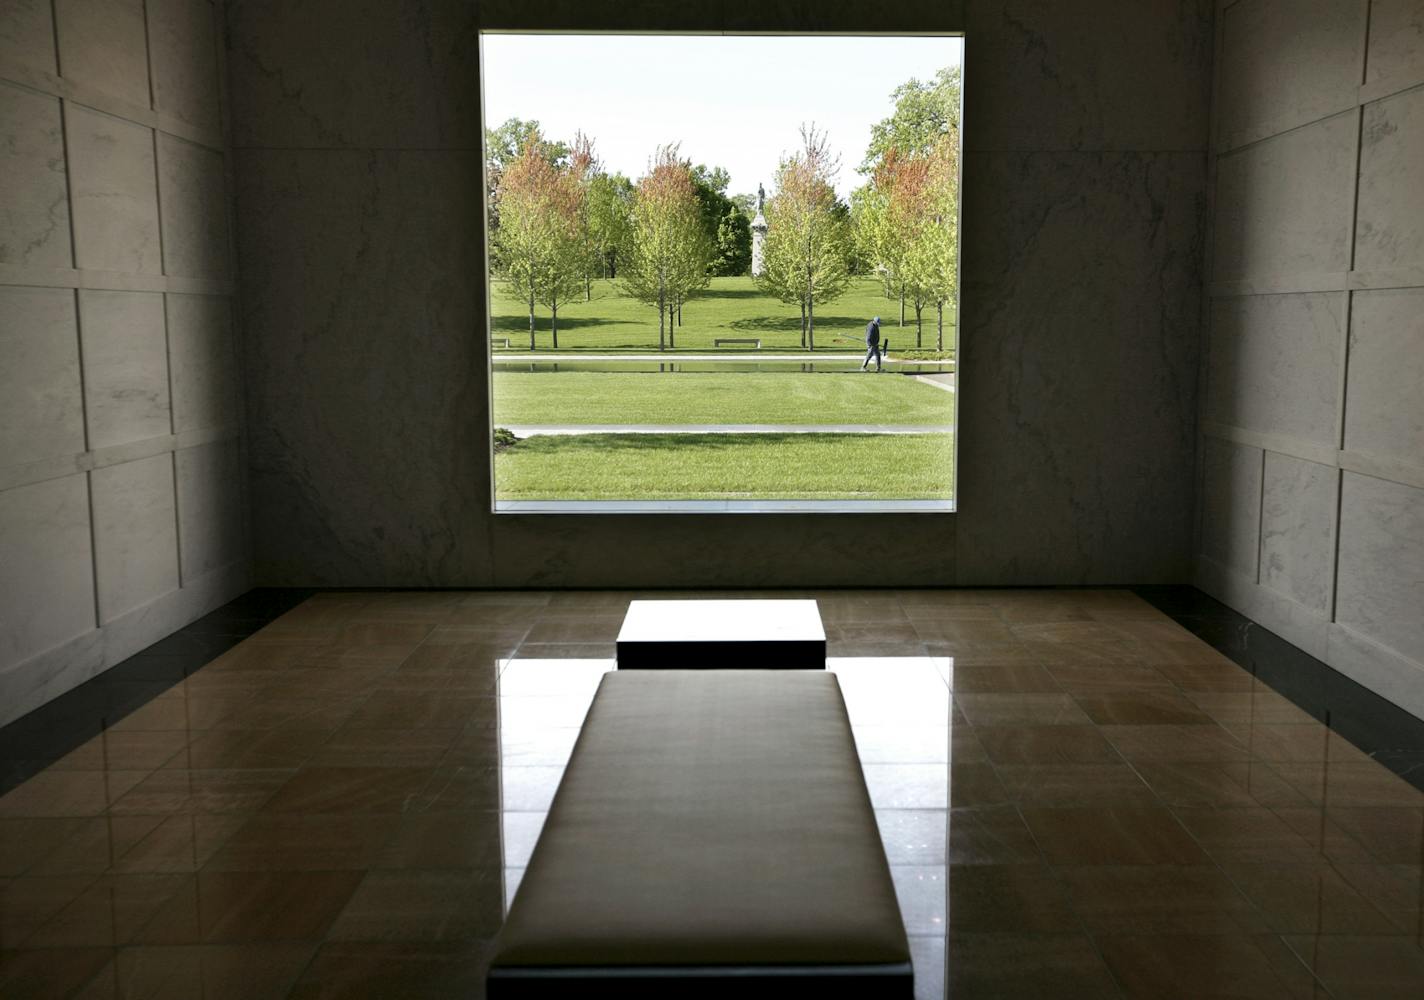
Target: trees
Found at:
x=669, y=250
x=807, y=250
x=610, y=219
x=925, y=113
x=504, y=145
x=727, y=230
x=907, y=216
x=936, y=251
x=539, y=243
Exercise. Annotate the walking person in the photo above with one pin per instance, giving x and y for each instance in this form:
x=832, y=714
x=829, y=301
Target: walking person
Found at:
x=872, y=344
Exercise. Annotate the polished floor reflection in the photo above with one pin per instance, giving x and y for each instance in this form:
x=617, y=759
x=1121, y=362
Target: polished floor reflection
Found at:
x=1077, y=796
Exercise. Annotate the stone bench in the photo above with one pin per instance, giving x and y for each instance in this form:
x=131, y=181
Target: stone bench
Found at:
x=501, y=341
x=712, y=837
x=719, y=341
x=779, y=634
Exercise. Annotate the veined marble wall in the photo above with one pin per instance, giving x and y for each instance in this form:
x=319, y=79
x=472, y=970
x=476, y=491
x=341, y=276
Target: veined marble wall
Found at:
x=1312, y=420
x=121, y=479
x=364, y=312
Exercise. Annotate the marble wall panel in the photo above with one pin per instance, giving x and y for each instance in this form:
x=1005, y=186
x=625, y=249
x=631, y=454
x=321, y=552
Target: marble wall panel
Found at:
x=195, y=209
x=204, y=363
x=1077, y=391
x=403, y=75
x=182, y=38
x=27, y=34
x=1231, y=505
x=135, y=534
x=41, y=403
x=34, y=200
x=103, y=44
x=1298, y=529
x=1286, y=62
x=211, y=522
x=113, y=193
x=1384, y=405
x=1274, y=364
x=367, y=392
x=1380, y=587
x=46, y=567
x=125, y=366
x=1039, y=75
x=1283, y=205
x=1390, y=218
x=1396, y=52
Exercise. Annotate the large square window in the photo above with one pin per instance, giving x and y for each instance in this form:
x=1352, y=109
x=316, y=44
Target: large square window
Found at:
x=723, y=271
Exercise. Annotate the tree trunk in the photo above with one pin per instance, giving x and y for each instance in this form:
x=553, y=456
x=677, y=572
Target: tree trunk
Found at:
x=531, y=314
x=803, y=323
x=587, y=287
x=939, y=340
x=902, y=303
x=662, y=346
x=554, y=322
x=919, y=327
x=672, y=327
x=679, y=311
x=810, y=323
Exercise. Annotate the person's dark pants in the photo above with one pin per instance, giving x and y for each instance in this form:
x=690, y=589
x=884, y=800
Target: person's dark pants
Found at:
x=871, y=351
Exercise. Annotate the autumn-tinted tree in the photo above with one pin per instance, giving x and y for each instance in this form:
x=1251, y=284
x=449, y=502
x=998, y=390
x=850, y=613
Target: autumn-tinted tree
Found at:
x=936, y=249
x=539, y=244
x=668, y=252
x=808, y=242
x=503, y=145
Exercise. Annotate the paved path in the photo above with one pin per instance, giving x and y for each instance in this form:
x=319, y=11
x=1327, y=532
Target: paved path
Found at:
x=529, y=430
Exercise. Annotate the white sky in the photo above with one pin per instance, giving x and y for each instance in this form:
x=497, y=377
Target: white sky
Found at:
x=732, y=101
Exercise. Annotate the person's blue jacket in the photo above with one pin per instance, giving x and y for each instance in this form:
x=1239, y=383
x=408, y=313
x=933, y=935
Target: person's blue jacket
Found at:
x=872, y=332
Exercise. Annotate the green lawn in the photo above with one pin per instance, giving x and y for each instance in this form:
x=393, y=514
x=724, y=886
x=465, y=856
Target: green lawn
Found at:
x=727, y=467
x=729, y=307
x=717, y=398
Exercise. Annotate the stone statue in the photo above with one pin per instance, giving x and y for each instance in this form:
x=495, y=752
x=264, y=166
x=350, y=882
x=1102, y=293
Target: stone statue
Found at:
x=759, y=228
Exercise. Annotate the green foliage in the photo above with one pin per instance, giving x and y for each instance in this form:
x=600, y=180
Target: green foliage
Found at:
x=610, y=219
x=729, y=307
x=670, y=250
x=504, y=438
x=728, y=232
x=503, y=145
x=925, y=113
x=808, y=246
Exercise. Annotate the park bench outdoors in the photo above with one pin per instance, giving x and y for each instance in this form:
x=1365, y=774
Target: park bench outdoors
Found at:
x=712, y=836
x=754, y=341
x=502, y=341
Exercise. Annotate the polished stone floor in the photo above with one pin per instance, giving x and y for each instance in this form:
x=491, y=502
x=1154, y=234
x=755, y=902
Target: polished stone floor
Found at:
x=1077, y=795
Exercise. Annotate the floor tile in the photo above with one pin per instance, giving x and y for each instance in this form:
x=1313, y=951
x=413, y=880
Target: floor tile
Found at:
x=1159, y=899
x=109, y=913
x=1367, y=968
x=908, y=786
x=1218, y=784
x=233, y=907
x=1140, y=709
x=1023, y=899
x=1111, y=834
x=913, y=836
x=1308, y=899
x=444, y=840
x=1046, y=745
x=1191, y=966
x=1017, y=678
x=421, y=906
x=1021, y=710
x=993, y=835
x=366, y=970
x=278, y=842
x=213, y=972
x=921, y=891
x=1074, y=784
x=1027, y=966
x=351, y=790
x=49, y=974
x=211, y=791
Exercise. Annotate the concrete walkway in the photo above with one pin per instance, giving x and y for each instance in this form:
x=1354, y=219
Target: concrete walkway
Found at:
x=529, y=430
x=824, y=357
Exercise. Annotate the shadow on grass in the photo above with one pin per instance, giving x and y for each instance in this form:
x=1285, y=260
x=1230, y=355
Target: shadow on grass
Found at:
x=520, y=324
x=846, y=326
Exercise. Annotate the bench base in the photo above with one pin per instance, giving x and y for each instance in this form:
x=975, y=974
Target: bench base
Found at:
x=771, y=654
x=772, y=982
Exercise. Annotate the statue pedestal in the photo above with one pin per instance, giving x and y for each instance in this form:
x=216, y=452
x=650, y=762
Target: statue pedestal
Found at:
x=758, y=238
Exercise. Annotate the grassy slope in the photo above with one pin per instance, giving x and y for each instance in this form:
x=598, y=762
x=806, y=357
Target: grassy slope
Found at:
x=727, y=467
x=714, y=398
x=730, y=307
